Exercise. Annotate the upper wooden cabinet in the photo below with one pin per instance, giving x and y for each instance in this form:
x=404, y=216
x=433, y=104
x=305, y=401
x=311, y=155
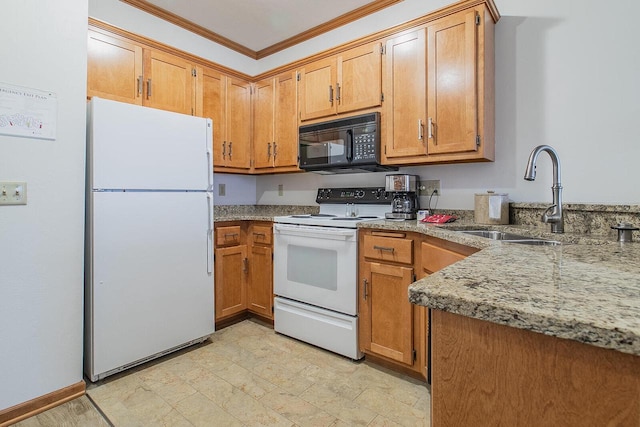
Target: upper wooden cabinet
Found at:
x=438, y=86
x=169, y=82
x=343, y=83
x=114, y=68
x=275, y=125
x=128, y=72
x=460, y=83
x=227, y=102
x=405, y=99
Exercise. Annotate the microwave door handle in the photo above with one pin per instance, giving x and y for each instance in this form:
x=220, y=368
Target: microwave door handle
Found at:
x=349, y=145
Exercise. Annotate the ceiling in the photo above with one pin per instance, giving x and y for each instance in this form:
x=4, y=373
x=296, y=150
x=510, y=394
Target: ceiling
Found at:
x=258, y=28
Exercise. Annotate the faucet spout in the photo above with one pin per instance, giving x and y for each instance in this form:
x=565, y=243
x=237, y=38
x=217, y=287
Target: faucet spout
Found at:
x=554, y=214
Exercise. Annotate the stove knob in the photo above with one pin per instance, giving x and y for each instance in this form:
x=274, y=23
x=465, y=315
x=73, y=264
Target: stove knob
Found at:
x=359, y=194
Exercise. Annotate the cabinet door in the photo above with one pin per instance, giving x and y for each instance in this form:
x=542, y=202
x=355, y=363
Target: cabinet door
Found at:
x=211, y=104
x=238, y=117
x=231, y=270
x=263, y=136
x=452, y=107
x=260, y=283
x=170, y=82
x=405, y=99
x=286, y=121
x=388, y=329
x=114, y=69
x=317, y=89
x=359, y=78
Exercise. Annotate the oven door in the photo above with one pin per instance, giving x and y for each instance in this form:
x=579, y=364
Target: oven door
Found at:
x=316, y=265
x=321, y=149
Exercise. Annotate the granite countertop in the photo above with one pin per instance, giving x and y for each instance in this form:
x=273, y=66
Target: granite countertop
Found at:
x=586, y=290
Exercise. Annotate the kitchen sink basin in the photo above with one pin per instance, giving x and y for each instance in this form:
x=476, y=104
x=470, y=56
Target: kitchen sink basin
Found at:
x=495, y=235
x=510, y=237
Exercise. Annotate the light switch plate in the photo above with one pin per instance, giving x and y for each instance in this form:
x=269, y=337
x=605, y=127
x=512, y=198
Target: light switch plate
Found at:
x=13, y=193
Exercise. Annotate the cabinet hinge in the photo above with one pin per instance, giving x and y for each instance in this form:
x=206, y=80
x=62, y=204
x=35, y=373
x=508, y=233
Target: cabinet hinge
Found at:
x=382, y=97
x=414, y=354
x=477, y=19
x=383, y=50
x=298, y=76
x=478, y=140
x=193, y=72
x=413, y=277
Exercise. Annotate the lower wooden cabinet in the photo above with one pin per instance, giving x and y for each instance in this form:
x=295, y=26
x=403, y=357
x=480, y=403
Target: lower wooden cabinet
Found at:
x=391, y=329
x=260, y=283
x=243, y=270
x=231, y=273
x=386, y=328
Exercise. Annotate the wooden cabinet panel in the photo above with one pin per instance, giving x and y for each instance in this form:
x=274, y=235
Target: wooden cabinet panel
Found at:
x=238, y=119
x=347, y=82
x=452, y=108
x=285, y=152
x=228, y=235
x=231, y=270
x=211, y=104
x=263, y=130
x=318, y=89
x=261, y=234
x=114, y=69
x=485, y=374
x=169, y=82
x=388, y=249
x=359, y=78
x=227, y=102
x=260, y=283
x=405, y=99
x=389, y=332
x=435, y=258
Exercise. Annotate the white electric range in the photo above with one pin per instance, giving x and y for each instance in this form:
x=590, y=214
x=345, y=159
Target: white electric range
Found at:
x=315, y=268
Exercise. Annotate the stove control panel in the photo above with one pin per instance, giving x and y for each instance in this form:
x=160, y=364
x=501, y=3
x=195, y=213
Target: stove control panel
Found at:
x=362, y=195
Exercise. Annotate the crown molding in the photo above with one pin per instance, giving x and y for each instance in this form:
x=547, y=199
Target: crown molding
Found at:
x=341, y=20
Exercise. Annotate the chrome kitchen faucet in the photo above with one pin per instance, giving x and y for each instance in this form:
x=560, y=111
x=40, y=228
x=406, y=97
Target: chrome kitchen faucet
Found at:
x=553, y=215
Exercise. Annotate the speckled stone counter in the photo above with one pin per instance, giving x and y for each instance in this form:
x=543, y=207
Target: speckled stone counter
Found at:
x=257, y=212
x=587, y=289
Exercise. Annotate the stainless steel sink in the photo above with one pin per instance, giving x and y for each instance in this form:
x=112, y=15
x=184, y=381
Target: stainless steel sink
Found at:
x=510, y=237
x=495, y=235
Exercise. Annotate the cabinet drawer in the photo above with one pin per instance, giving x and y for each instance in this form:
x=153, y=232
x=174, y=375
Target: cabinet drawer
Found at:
x=229, y=235
x=261, y=234
x=388, y=249
x=435, y=258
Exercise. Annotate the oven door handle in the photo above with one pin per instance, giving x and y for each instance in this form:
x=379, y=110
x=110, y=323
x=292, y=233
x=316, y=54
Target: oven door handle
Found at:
x=317, y=232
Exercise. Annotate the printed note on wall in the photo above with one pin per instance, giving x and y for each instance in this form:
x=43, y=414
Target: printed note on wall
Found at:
x=27, y=112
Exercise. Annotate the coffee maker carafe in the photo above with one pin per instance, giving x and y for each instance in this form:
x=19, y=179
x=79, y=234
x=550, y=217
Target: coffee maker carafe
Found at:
x=404, y=189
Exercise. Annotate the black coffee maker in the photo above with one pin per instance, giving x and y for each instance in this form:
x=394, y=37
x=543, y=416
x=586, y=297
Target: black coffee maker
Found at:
x=404, y=189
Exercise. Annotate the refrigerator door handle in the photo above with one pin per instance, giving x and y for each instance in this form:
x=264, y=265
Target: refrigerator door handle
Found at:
x=209, y=149
x=210, y=234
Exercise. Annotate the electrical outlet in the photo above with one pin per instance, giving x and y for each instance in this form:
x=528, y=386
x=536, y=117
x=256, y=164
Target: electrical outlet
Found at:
x=222, y=189
x=428, y=186
x=280, y=190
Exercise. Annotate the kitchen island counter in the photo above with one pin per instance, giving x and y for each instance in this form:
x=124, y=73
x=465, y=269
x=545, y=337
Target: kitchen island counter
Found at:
x=586, y=290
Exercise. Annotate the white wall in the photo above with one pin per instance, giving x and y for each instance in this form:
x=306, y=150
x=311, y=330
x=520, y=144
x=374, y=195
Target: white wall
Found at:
x=239, y=189
x=44, y=46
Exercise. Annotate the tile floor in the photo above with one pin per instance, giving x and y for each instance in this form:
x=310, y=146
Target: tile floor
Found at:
x=247, y=375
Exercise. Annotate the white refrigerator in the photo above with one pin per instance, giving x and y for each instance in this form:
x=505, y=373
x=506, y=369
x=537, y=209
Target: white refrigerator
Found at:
x=149, y=225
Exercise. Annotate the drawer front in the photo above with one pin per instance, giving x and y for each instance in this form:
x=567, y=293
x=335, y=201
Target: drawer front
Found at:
x=261, y=234
x=435, y=258
x=229, y=235
x=388, y=249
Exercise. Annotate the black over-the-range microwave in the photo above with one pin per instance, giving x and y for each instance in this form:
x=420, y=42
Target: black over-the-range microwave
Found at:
x=346, y=145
